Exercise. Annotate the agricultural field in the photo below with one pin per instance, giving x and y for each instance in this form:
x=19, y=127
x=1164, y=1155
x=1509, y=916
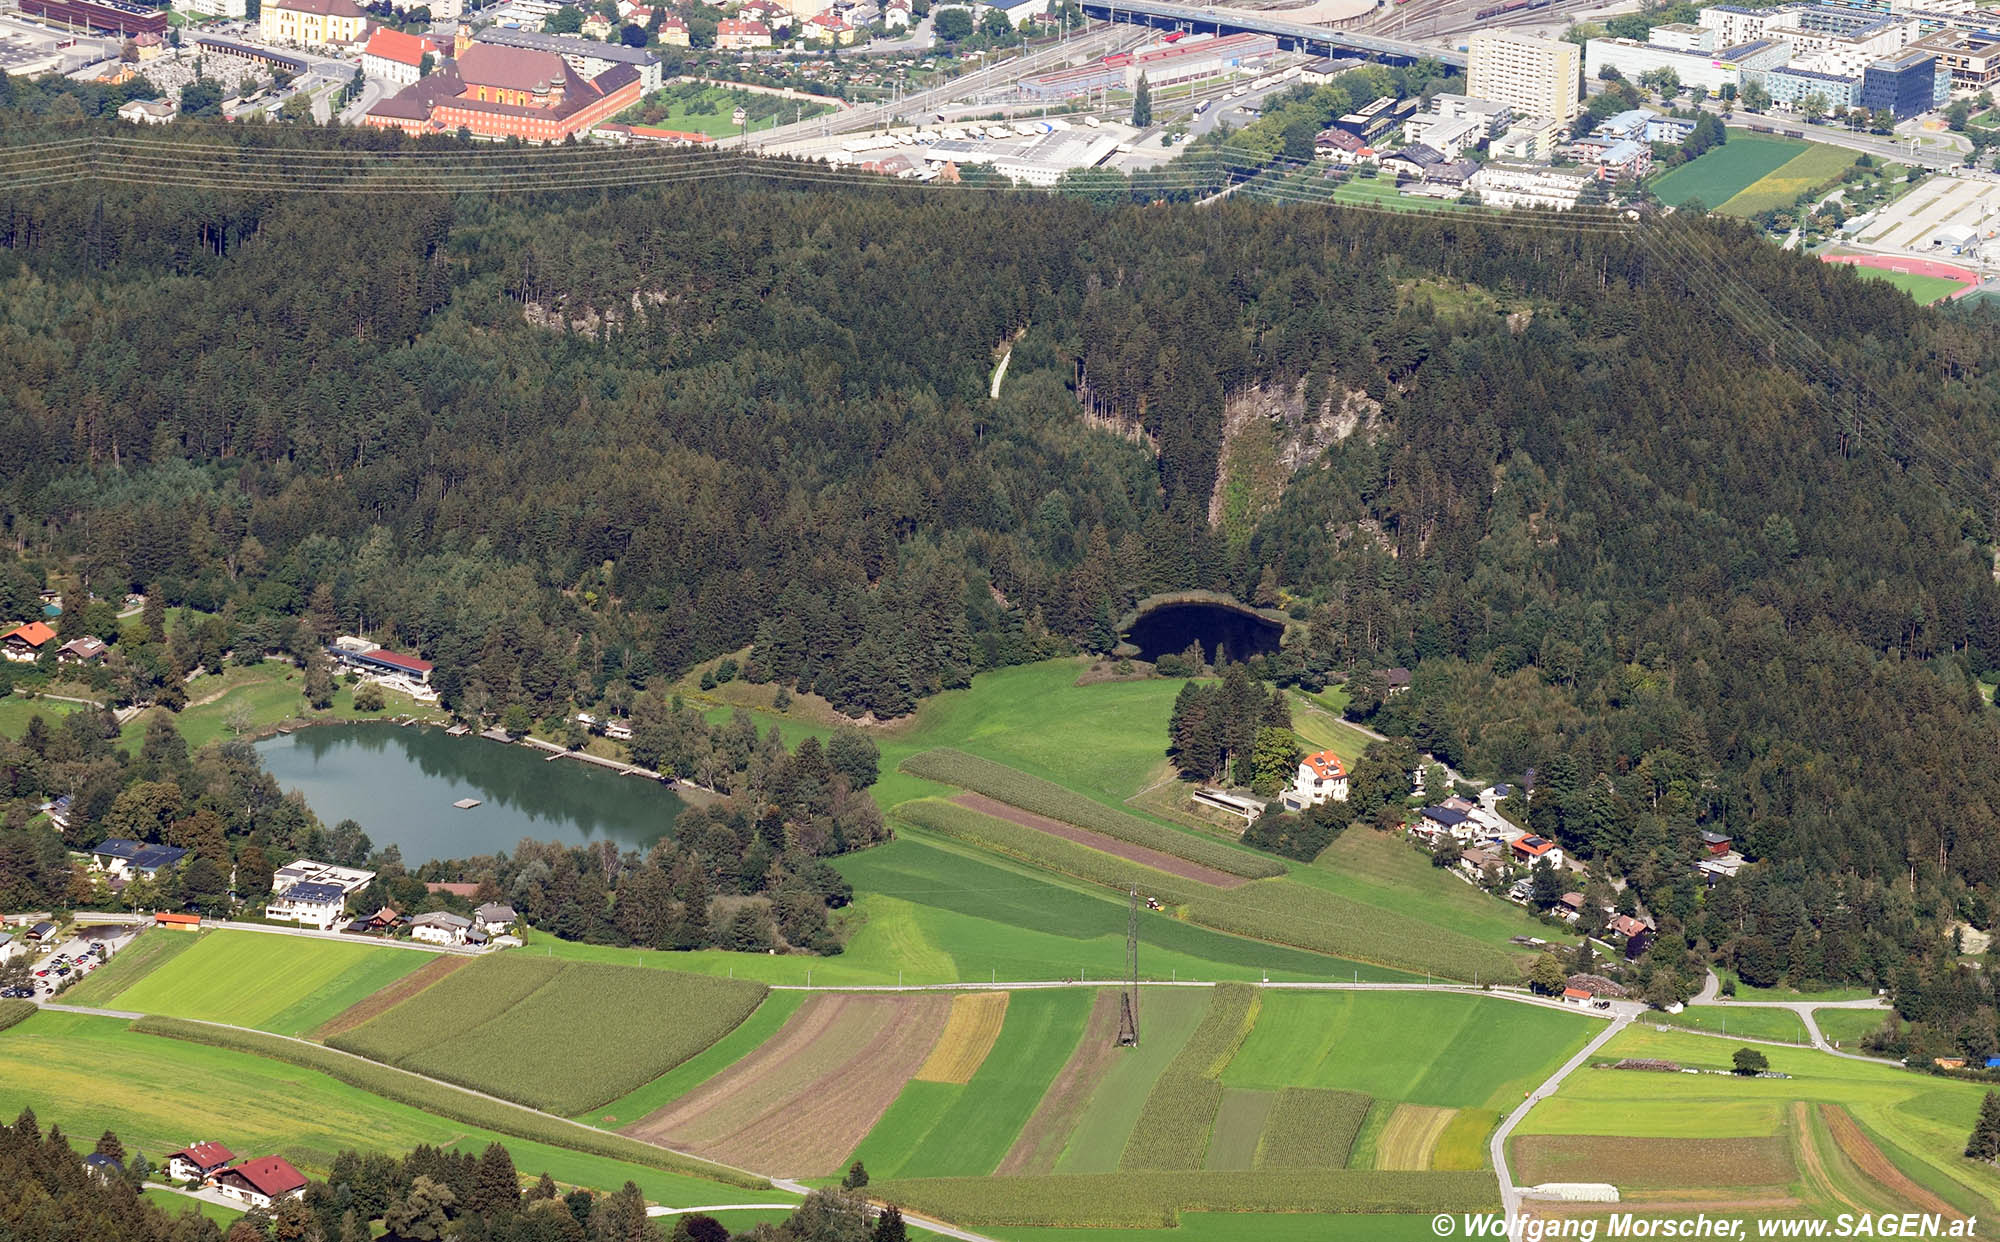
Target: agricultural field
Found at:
x=491, y=1026
x=1385, y=871
x=1816, y=166
x=755, y=1030
x=1834, y=1132
x=1721, y=173
x=93, y=1074
x=1846, y=1028
x=147, y=953
x=1750, y=1022
x=284, y=984
x=804, y=1099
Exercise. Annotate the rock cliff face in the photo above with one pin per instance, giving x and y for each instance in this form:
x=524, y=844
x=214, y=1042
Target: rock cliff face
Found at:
x=1268, y=435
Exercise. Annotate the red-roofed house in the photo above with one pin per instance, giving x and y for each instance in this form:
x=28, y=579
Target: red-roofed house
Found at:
x=25, y=642
x=1575, y=996
x=393, y=56
x=1534, y=849
x=261, y=1182
x=197, y=1162
x=1321, y=778
x=736, y=34
x=827, y=28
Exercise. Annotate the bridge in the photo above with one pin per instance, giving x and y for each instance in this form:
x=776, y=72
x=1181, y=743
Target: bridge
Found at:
x=1291, y=35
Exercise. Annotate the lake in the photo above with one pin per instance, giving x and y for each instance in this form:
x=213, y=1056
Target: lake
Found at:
x=399, y=785
x=1223, y=631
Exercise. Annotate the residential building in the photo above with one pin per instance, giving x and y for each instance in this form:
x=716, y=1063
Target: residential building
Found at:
x=1437, y=822
x=1683, y=37
x=827, y=28
x=1321, y=778
x=1396, y=680
x=1531, y=75
x=332, y=24
x=11, y=948
x=440, y=927
x=1530, y=185
x=1534, y=140
x=24, y=643
x=1973, y=60
x=1375, y=119
x=307, y=871
x=229, y=10
x=1905, y=84
x=1613, y=157
x=1535, y=849
x=896, y=15
x=198, y=1162
x=261, y=1182
x=740, y=34
x=1715, y=843
x=1789, y=86
x=671, y=31
x=104, y=1168
x=90, y=648
x=1450, y=137
x=148, y=112
x=397, y=58
x=119, y=857
x=1343, y=147
x=596, y=26
x=1646, y=125
x=1494, y=118
x=494, y=917
x=1735, y=23
x=1413, y=161
x=359, y=653
x=589, y=59
x=308, y=905
x=1632, y=59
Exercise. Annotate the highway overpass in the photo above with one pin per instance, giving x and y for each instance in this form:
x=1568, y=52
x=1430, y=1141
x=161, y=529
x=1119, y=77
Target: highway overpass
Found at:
x=1295, y=36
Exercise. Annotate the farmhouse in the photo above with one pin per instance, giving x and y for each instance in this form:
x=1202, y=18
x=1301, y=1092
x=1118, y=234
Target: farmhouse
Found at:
x=494, y=917
x=440, y=927
x=198, y=1162
x=1320, y=778
x=24, y=642
x=261, y=1182
x=308, y=905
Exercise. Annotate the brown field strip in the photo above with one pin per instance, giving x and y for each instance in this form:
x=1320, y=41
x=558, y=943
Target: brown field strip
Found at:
x=388, y=998
x=1873, y=1165
x=1411, y=1134
x=1655, y=1163
x=968, y=1037
x=1101, y=843
x=1042, y=1140
x=798, y=1105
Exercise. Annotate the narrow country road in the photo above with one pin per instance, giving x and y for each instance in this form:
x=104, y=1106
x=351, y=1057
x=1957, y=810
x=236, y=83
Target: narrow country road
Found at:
x=1708, y=996
x=1510, y=1195
x=921, y=1222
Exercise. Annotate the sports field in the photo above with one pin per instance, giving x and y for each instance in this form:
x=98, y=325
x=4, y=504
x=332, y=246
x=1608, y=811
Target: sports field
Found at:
x=1862, y=1134
x=284, y=984
x=1926, y=282
x=1817, y=165
x=92, y=1074
x=1721, y=173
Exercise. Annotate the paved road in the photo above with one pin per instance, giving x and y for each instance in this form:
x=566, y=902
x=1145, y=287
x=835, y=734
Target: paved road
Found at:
x=1510, y=1195
x=921, y=1222
x=311, y=933
x=1709, y=996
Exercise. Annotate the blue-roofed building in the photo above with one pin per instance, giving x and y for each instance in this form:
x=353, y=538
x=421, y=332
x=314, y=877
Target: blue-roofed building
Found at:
x=107, y=1168
x=119, y=857
x=1445, y=821
x=309, y=904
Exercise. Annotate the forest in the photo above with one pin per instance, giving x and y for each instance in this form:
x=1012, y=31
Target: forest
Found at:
x=568, y=445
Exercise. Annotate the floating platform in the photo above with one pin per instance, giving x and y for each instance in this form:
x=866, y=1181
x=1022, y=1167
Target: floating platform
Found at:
x=457, y=730
x=466, y=804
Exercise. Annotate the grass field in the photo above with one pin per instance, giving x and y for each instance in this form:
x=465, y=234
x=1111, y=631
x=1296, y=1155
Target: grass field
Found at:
x=93, y=1074
x=284, y=984
x=152, y=950
x=173, y=1204
x=1383, y=870
x=1815, y=166
x=16, y=712
x=491, y=1027
x=1917, y=1122
x=1923, y=290
x=1721, y=173
x=1751, y=1023
x=1846, y=1028
x=1167, y=1017
x=258, y=697
x=1311, y=1039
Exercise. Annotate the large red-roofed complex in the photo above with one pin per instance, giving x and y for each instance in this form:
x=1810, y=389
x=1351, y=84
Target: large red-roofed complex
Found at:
x=509, y=92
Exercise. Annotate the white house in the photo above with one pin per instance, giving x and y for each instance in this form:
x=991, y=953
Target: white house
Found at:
x=896, y=15
x=440, y=927
x=260, y=1182
x=494, y=917
x=396, y=58
x=148, y=111
x=198, y=1162
x=308, y=905
x=1321, y=778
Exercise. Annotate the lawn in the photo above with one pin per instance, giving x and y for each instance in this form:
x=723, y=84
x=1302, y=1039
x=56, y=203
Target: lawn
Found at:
x=1348, y=1041
x=948, y=1129
x=1815, y=166
x=1721, y=173
x=283, y=984
x=491, y=1026
x=1846, y=1028
x=1919, y=1122
x=712, y=111
x=146, y=954
x=16, y=712
x=92, y=1074
x=260, y=697
x=173, y=1204
x=1321, y=729
x=1923, y=290
x=1751, y=1023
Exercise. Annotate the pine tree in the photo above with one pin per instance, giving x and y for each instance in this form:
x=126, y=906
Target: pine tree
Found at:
x=497, y=1187
x=1142, y=103
x=1985, y=1141
x=889, y=1226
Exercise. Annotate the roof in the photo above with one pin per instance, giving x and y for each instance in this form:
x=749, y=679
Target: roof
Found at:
x=441, y=918
x=495, y=912
x=315, y=894
x=98, y=1160
x=1715, y=838
x=173, y=919
x=203, y=1155
x=1445, y=815
x=1575, y=994
x=269, y=1175
x=514, y=69
x=34, y=633
x=741, y=26
x=565, y=45
x=397, y=658
x=330, y=8
x=90, y=646
x=1344, y=139
x=1401, y=676
x=404, y=49
x=1626, y=925
x=1325, y=765
x=1534, y=847
x=142, y=857
x=1573, y=900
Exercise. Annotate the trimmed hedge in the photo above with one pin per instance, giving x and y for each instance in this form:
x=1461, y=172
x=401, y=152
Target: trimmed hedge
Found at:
x=1032, y=793
x=1155, y=1200
x=440, y=1100
x=1311, y=1128
x=1174, y=1127
x=14, y=1011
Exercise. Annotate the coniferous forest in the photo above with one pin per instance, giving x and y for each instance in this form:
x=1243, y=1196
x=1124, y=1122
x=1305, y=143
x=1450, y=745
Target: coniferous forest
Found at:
x=559, y=443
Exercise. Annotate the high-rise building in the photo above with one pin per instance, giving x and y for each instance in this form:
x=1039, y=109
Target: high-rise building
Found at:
x=1535, y=77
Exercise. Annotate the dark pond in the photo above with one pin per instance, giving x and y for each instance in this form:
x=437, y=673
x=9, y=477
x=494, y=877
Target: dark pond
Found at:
x=399, y=785
x=1231, y=632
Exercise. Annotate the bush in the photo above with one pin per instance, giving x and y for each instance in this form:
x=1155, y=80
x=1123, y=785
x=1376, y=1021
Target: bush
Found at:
x=445, y=1101
x=1031, y=793
x=368, y=698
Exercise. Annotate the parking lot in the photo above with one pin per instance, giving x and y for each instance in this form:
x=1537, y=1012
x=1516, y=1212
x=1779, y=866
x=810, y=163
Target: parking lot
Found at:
x=76, y=955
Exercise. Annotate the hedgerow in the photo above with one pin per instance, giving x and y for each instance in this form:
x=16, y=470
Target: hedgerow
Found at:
x=1174, y=1127
x=440, y=1100
x=1032, y=793
x=13, y=1011
x=1311, y=1128
x=1133, y=1200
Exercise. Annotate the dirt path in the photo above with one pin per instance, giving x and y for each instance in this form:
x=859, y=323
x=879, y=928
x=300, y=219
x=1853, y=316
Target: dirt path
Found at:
x=1098, y=841
x=1813, y=1161
x=388, y=998
x=1875, y=1166
x=1042, y=1140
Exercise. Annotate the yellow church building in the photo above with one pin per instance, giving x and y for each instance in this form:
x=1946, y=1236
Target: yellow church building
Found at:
x=313, y=23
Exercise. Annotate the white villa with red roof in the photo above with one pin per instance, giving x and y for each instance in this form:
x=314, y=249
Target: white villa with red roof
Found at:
x=397, y=58
x=198, y=1162
x=1321, y=778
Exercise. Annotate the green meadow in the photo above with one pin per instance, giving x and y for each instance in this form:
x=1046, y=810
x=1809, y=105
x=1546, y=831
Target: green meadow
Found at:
x=287, y=985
